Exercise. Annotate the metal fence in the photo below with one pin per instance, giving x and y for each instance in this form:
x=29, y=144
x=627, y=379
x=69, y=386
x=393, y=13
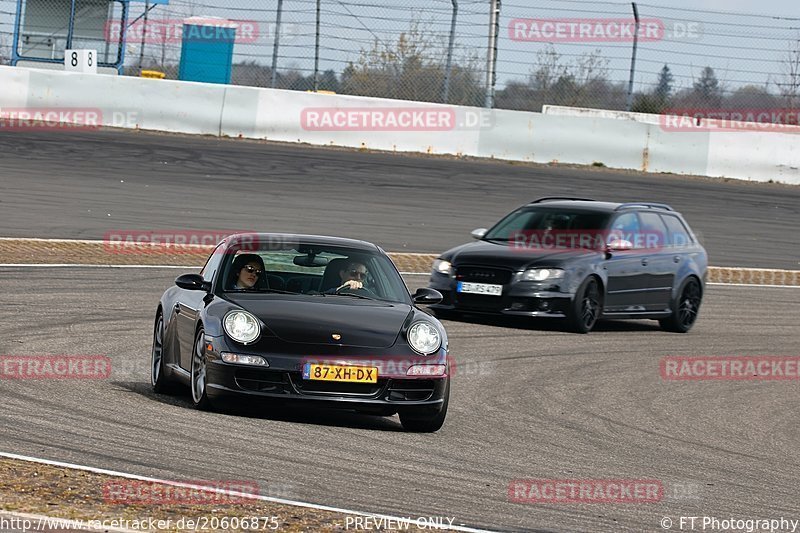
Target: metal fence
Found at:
x=582, y=53
x=48, y=27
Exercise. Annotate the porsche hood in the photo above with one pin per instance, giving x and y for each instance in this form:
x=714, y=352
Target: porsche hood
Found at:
x=359, y=323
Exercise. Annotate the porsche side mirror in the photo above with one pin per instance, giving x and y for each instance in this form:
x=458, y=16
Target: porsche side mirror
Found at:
x=427, y=296
x=192, y=282
x=479, y=233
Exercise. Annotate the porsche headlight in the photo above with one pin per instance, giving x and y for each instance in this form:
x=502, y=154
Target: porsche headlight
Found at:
x=542, y=274
x=242, y=327
x=443, y=267
x=424, y=338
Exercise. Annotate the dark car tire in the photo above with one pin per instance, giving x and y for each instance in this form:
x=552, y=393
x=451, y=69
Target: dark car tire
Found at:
x=586, y=308
x=446, y=314
x=158, y=378
x=199, y=380
x=685, y=308
x=422, y=420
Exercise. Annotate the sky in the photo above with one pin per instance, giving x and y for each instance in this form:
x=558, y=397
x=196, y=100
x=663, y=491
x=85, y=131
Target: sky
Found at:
x=742, y=49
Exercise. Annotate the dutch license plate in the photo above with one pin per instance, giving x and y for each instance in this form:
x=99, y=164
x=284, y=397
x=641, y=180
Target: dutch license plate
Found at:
x=352, y=374
x=480, y=288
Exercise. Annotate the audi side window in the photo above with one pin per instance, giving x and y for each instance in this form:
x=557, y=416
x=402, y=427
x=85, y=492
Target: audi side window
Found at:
x=679, y=235
x=626, y=227
x=654, y=231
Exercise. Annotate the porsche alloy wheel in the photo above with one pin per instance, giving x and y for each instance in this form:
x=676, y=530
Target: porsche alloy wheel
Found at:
x=198, y=376
x=158, y=380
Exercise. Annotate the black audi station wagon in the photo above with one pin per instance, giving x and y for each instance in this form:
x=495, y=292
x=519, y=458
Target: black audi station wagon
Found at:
x=580, y=260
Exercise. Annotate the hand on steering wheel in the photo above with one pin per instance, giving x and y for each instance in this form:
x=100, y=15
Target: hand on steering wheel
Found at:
x=351, y=285
x=356, y=288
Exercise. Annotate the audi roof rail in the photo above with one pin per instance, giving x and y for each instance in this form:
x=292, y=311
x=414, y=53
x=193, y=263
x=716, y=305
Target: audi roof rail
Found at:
x=557, y=198
x=649, y=205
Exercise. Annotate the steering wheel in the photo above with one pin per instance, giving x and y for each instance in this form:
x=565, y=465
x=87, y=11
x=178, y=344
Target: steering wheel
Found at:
x=363, y=291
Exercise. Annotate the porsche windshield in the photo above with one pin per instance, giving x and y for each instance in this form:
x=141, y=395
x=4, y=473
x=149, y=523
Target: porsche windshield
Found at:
x=315, y=270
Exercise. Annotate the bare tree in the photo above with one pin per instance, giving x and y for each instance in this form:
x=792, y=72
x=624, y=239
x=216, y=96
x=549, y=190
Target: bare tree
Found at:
x=548, y=70
x=411, y=68
x=581, y=82
x=5, y=51
x=789, y=83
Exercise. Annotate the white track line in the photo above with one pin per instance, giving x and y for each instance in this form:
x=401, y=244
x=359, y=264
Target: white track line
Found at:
x=282, y=501
x=56, y=524
x=755, y=285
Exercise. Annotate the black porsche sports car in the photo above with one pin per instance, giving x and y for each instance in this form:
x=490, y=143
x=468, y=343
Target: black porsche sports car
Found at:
x=306, y=318
x=581, y=260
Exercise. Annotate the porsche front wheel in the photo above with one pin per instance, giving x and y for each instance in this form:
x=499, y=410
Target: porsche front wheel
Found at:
x=158, y=379
x=424, y=421
x=198, y=375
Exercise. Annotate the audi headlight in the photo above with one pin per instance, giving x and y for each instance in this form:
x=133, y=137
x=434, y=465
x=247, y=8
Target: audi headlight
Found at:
x=242, y=327
x=542, y=274
x=424, y=338
x=443, y=267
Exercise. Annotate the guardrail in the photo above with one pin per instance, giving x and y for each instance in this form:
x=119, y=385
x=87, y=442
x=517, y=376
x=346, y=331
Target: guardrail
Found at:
x=612, y=139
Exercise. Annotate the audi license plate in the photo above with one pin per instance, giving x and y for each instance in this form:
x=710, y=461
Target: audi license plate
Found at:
x=479, y=288
x=353, y=374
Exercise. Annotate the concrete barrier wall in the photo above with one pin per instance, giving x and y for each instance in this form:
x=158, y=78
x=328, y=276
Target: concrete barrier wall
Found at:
x=615, y=139
x=760, y=156
x=740, y=151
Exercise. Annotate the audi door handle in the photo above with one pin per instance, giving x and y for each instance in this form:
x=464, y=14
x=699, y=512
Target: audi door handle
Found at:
x=677, y=259
x=645, y=262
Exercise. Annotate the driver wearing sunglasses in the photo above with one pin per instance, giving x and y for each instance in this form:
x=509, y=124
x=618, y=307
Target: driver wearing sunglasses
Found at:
x=248, y=269
x=353, y=276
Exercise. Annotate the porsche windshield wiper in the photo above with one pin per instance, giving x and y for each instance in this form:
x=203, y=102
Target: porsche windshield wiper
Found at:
x=351, y=294
x=276, y=291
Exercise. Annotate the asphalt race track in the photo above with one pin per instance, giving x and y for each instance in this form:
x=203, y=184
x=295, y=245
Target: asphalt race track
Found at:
x=528, y=402
x=83, y=185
